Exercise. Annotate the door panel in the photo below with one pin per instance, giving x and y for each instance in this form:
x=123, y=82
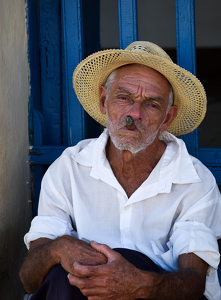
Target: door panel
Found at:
x=61, y=34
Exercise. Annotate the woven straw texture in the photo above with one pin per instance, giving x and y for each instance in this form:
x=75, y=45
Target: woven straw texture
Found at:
x=189, y=94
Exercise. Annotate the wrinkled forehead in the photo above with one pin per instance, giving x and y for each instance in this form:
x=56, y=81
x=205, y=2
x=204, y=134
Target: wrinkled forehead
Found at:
x=136, y=74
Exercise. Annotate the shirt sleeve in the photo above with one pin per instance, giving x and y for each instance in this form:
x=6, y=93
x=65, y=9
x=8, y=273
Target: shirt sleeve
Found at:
x=55, y=211
x=48, y=227
x=198, y=229
x=195, y=237
x=197, y=232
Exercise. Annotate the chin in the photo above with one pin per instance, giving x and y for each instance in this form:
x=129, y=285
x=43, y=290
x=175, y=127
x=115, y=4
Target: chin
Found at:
x=132, y=146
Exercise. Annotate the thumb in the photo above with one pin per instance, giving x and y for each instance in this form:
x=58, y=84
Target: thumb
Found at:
x=104, y=249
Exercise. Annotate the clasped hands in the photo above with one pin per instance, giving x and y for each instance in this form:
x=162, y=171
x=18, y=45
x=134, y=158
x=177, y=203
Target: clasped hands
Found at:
x=117, y=279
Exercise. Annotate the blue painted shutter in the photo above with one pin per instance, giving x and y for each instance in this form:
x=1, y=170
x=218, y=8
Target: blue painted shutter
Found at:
x=69, y=31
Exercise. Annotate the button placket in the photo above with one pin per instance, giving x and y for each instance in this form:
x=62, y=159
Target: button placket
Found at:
x=125, y=226
x=122, y=200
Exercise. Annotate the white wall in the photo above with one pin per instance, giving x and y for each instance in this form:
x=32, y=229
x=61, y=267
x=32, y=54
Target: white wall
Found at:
x=156, y=23
x=15, y=211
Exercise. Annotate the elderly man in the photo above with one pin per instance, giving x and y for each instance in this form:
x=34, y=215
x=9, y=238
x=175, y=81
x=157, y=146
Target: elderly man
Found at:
x=130, y=215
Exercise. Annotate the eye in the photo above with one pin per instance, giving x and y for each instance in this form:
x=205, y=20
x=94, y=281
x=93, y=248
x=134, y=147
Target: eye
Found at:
x=123, y=97
x=153, y=105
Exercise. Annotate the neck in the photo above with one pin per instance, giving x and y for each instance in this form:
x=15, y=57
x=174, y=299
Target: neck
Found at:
x=131, y=170
x=147, y=158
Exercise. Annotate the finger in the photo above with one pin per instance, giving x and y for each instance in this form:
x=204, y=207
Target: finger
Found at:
x=81, y=283
x=98, y=292
x=89, y=283
x=89, y=287
x=107, y=251
x=80, y=270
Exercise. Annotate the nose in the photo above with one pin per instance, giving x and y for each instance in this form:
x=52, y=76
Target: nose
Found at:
x=135, y=111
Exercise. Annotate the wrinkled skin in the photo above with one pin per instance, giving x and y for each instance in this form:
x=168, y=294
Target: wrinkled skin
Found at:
x=120, y=280
x=142, y=93
x=106, y=281
x=98, y=271
x=45, y=253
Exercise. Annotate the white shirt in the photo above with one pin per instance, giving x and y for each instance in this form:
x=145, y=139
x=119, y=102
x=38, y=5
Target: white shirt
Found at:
x=176, y=210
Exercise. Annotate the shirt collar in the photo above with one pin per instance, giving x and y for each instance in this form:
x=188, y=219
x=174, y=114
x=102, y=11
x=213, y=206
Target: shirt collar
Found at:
x=94, y=156
x=176, y=166
x=177, y=161
x=91, y=153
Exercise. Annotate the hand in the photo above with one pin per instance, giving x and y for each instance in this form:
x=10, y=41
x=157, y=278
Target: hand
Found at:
x=69, y=250
x=118, y=279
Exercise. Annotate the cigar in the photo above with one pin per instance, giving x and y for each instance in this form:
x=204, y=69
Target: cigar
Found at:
x=130, y=123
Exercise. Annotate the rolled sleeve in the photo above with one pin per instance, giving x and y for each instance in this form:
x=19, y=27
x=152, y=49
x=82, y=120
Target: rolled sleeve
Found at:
x=55, y=211
x=48, y=227
x=198, y=229
x=195, y=237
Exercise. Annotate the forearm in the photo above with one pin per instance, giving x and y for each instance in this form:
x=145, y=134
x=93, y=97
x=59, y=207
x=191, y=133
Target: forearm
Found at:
x=45, y=253
x=183, y=284
x=37, y=264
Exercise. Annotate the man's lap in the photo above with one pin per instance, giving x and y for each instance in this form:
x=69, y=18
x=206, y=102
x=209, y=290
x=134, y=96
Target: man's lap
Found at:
x=56, y=285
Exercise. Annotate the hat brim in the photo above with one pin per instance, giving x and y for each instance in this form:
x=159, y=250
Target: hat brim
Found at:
x=189, y=94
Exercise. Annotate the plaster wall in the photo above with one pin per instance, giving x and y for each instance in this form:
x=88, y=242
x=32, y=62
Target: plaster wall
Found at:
x=15, y=210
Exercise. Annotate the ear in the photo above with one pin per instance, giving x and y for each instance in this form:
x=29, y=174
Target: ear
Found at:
x=169, y=117
x=103, y=95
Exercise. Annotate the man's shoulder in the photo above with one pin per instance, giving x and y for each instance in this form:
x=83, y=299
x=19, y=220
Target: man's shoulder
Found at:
x=203, y=172
x=187, y=168
x=81, y=151
x=66, y=164
x=73, y=150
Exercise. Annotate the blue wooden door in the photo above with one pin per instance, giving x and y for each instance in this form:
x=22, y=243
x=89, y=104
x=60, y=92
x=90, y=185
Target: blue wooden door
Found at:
x=61, y=34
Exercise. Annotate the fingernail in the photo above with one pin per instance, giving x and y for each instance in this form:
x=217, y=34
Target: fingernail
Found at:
x=94, y=242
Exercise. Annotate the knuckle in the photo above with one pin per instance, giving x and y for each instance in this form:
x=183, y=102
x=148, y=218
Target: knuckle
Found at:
x=82, y=285
x=85, y=271
x=85, y=292
x=118, y=255
x=104, y=246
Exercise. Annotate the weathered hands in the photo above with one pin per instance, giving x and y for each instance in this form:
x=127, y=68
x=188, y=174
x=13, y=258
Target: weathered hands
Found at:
x=101, y=273
x=70, y=250
x=118, y=279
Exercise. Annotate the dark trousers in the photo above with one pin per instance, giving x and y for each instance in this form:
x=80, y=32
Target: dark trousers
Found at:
x=57, y=287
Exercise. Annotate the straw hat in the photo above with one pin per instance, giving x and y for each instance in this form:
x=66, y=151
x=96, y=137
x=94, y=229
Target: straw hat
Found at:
x=189, y=94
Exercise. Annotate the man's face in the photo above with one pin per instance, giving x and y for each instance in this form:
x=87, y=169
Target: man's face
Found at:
x=142, y=93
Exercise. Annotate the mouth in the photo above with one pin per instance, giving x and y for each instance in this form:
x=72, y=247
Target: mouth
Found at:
x=131, y=127
x=124, y=128
x=127, y=129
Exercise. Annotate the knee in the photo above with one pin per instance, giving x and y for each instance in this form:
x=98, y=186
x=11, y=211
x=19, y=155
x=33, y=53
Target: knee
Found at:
x=57, y=272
